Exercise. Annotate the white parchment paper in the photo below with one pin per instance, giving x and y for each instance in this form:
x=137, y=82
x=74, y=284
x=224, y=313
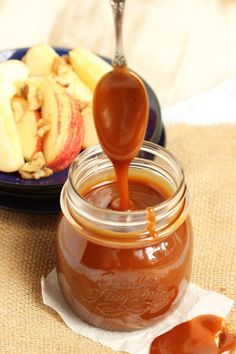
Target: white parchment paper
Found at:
x=196, y=302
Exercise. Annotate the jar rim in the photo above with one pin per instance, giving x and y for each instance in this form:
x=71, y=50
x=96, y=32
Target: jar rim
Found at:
x=176, y=204
x=147, y=144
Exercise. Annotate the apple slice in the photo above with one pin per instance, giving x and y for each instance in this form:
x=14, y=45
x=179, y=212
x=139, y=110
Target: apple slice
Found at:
x=90, y=134
x=88, y=66
x=62, y=143
x=63, y=74
x=19, y=105
x=32, y=92
x=11, y=157
x=39, y=59
x=78, y=89
x=27, y=130
x=13, y=73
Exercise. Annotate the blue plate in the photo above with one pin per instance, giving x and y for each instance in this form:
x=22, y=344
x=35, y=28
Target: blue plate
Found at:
x=42, y=196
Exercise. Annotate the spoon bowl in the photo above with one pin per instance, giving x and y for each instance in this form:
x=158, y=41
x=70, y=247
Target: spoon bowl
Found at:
x=121, y=114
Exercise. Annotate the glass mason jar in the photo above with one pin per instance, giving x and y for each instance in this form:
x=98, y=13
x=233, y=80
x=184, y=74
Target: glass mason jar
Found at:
x=112, y=271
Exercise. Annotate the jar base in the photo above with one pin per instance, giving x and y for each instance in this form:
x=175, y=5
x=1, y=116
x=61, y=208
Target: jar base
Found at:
x=128, y=323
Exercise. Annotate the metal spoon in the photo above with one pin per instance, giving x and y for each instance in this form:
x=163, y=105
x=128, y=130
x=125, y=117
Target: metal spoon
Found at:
x=118, y=7
x=120, y=107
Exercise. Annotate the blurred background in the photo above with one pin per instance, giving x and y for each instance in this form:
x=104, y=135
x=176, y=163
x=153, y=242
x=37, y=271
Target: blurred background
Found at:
x=181, y=47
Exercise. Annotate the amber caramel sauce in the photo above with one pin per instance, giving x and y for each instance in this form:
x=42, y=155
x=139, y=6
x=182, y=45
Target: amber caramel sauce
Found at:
x=123, y=288
x=129, y=288
x=107, y=284
x=120, y=114
x=204, y=334
x=142, y=194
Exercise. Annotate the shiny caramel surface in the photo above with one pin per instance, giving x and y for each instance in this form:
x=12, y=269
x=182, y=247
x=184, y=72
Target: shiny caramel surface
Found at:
x=120, y=109
x=123, y=288
x=202, y=335
x=142, y=195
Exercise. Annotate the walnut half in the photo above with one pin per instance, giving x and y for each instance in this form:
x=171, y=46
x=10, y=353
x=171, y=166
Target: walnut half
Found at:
x=35, y=168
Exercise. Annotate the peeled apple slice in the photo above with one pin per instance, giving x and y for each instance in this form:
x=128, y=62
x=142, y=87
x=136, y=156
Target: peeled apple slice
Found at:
x=27, y=132
x=39, y=59
x=11, y=157
x=78, y=89
x=13, y=73
x=90, y=134
x=88, y=66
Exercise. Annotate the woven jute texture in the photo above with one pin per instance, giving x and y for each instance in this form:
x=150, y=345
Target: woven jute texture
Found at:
x=27, y=249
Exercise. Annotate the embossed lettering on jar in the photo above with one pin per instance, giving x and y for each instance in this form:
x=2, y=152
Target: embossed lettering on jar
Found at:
x=113, y=271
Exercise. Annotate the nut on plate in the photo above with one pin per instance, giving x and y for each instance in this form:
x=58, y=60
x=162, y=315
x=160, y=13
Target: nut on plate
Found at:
x=35, y=168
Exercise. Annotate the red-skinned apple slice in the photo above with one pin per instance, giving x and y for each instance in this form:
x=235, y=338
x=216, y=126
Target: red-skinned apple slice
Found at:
x=62, y=143
x=27, y=132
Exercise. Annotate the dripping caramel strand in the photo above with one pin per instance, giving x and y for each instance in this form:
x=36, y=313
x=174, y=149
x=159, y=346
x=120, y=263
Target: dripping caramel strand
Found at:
x=152, y=222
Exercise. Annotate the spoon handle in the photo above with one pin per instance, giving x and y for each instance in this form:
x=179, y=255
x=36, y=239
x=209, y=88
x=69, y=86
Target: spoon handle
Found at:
x=118, y=11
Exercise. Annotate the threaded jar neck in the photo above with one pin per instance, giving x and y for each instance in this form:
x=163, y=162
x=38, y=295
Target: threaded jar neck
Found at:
x=125, y=228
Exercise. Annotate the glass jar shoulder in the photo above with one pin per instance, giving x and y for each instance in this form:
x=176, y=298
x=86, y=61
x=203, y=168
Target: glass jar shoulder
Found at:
x=168, y=252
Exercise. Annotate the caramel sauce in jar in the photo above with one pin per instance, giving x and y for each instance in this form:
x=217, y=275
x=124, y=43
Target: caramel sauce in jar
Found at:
x=123, y=270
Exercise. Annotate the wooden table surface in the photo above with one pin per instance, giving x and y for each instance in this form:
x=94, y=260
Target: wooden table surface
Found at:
x=181, y=47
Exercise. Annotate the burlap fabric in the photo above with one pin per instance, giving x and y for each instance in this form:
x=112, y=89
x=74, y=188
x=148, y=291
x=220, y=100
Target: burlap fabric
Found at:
x=208, y=155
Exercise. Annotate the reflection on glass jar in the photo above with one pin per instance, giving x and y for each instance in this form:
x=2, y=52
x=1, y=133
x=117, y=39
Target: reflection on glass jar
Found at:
x=124, y=270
